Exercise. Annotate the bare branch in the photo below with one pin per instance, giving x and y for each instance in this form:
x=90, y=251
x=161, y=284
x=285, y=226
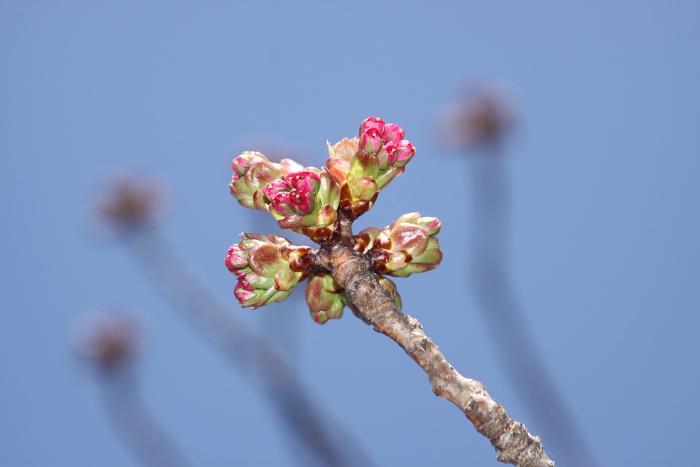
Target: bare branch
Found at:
x=513, y=443
x=110, y=343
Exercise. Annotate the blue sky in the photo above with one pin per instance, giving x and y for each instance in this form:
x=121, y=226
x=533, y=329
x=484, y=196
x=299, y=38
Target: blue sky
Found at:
x=604, y=252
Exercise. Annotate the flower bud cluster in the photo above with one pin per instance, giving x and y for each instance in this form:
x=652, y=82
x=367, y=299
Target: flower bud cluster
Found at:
x=307, y=198
x=366, y=164
x=252, y=172
x=318, y=203
x=304, y=200
x=407, y=246
x=385, y=140
x=267, y=267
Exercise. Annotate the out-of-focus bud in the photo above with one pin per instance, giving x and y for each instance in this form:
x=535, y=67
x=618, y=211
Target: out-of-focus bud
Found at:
x=251, y=173
x=325, y=297
x=130, y=203
x=407, y=246
x=267, y=268
x=110, y=341
x=482, y=119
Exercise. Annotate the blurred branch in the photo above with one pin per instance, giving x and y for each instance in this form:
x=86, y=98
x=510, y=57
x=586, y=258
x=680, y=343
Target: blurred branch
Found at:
x=376, y=305
x=483, y=122
x=110, y=343
x=259, y=359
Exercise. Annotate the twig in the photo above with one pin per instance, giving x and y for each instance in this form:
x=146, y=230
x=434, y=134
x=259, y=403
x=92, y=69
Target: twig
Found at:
x=508, y=326
x=110, y=344
x=134, y=423
x=511, y=439
x=479, y=124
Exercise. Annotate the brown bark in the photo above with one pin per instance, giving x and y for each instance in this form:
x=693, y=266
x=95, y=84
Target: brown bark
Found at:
x=513, y=443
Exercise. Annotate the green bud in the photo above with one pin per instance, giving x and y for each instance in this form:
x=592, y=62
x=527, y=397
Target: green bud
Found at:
x=325, y=297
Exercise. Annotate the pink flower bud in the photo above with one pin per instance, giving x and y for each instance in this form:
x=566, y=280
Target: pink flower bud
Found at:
x=392, y=133
x=371, y=141
x=243, y=290
x=251, y=172
x=387, y=155
x=236, y=259
x=302, y=202
x=404, y=153
x=372, y=123
x=304, y=180
x=295, y=194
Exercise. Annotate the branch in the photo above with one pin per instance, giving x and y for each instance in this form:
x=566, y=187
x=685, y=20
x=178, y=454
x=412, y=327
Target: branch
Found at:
x=110, y=345
x=506, y=322
x=513, y=443
x=135, y=425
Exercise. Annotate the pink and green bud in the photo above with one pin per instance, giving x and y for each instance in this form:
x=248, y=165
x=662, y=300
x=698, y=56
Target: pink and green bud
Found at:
x=430, y=259
x=372, y=123
x=304, y=185
x=370, y=135
x=404, y=153
x=387, y=156
x=277, y=197
x=245, y=293
x=251, y=291
x=408, y=246
x=236, y=259
x=251, y=173
x=304, y=199
x=366, y=164
x=371, y=141
x=431, y=224
x=305, y=180
x=294, y=194
x=262, y=265
x=392, y=134
x=325, y=298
